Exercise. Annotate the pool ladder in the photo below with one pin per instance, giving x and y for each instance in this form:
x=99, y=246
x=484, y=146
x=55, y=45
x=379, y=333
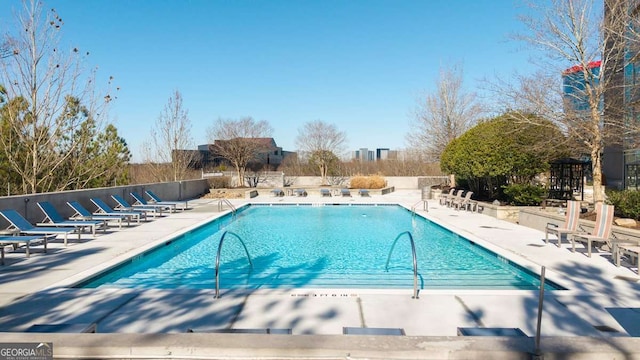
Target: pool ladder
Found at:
x=425, y=206
x=217, y=296
x=415, y=261
x=222, y=202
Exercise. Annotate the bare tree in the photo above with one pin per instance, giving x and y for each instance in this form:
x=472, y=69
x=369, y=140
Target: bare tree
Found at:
x=5, y=50
x=51, y=105
x=239, y=141
x=443, y=115
x=587, y=47
x=169, y=150
x=321, y=143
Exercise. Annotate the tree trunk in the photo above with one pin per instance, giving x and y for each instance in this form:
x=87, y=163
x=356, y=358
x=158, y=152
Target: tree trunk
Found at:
x=598, y=190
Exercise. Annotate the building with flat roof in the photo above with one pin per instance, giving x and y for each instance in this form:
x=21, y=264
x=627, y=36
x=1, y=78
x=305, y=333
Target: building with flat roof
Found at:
x=269, y=154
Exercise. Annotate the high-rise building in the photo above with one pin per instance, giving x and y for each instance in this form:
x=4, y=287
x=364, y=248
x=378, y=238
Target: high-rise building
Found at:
x=621, y=158
x=382, y=154
x=574, y=87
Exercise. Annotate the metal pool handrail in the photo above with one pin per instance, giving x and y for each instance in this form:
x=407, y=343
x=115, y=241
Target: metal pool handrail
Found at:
x=415, y=261
x=228, y=203
x=217, y=296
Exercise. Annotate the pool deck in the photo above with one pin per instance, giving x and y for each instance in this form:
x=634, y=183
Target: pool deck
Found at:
x=597, y=317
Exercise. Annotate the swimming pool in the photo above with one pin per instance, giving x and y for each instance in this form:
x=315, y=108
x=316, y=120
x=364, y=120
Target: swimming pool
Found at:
x=307, y=246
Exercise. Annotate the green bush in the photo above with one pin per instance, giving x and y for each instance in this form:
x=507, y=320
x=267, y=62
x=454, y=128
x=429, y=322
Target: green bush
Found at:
x=524, y=194
x=626, y=202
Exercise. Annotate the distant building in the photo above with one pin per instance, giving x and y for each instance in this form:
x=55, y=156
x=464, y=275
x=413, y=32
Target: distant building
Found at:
x=364, y=154
x=270, y=154
x=380, y=154
x=574, y=87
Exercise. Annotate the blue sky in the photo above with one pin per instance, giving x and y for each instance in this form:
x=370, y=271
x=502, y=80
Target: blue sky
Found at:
x=359, y=64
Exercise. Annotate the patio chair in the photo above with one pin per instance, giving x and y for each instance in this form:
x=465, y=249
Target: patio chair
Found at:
x=570, y=226
x=140, y=201
x=300, y=192
x=444, y=196
x=155, y=199
x=53, y=218
x=451, y=199
x=345, y=192
x=22, y=226
x=325, y=192
x=123, y=205
x=631, y=248
x=363, y=192
x=601, y=231
x=104, y=209
x=17, y=240
x=463, y=202
x=81, y=213
x=277, y=192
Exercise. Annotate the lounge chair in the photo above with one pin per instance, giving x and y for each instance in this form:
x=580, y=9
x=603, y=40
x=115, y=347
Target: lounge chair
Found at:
x=325, y=192
x=104, y=209
x=277, y=192
x=155, y=199
x=570, y=226
x=53, y=218
x=23, y=226
x=123, y=205
x=443, y=197
x=463, y=202
x=345, y=192
x=452, y=199
x=627, y=247
x=601, y=231
x=363, y=192
x=17, y=240
x=81, y=213
x=300, y=192
x=140, y=201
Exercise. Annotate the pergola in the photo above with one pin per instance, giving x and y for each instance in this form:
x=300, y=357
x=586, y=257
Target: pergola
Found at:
x=566, y=178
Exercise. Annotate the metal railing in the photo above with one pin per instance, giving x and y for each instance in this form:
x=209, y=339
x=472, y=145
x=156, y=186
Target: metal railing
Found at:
x=425, y=206
x=415, y=261
x=223, y=201
x=217, y=296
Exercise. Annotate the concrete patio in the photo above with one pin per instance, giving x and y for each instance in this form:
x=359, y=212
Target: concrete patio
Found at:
x=597, y=317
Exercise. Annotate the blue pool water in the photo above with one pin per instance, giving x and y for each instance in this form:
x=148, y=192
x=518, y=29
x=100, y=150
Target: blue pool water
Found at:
x=319, y=247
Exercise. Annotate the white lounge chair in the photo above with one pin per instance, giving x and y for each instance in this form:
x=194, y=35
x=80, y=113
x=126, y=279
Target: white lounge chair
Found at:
x=463, y=202
x=444, y=196
x=277, y=192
